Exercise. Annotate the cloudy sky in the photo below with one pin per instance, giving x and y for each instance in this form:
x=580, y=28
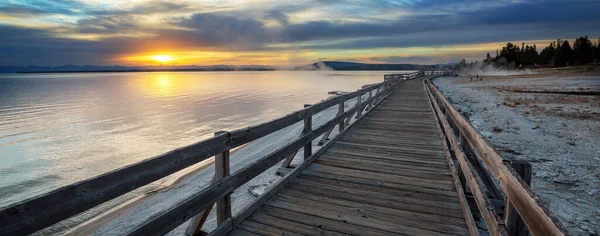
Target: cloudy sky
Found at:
x=284, y=32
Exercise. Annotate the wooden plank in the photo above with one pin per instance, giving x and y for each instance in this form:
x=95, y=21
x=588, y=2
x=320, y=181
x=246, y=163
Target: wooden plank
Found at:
x=367, y=219
x=392, y=164
x=255, y=227
x=290, y=226
x=432, y=199
x=421, y=220
x=327, y=224
x=422, y=160
x=390, y=149
x=241, y=232
x=375, y=140
x=381, y=183
x=426, y=183
x=384, y=169
x=377, y=136
x=537, y=217
x=407, y=205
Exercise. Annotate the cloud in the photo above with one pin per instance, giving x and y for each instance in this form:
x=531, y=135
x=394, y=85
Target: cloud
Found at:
x=402, y=59
x=284, y=26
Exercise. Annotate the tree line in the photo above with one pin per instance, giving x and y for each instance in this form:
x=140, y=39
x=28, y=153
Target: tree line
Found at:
x=557, y=54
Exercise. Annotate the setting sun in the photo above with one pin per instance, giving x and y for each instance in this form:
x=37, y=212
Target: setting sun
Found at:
x=162, y=58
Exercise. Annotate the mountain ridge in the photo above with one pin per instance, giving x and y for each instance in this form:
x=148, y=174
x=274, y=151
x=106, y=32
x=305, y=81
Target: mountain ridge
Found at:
x=321, y=65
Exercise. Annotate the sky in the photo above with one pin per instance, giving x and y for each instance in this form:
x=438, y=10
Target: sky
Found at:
x=280, y=33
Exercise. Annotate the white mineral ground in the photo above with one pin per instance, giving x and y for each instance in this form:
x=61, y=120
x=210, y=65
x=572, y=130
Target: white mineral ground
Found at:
x=558, y=134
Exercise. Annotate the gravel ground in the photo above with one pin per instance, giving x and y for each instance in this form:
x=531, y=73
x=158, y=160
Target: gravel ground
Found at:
x=558, y=133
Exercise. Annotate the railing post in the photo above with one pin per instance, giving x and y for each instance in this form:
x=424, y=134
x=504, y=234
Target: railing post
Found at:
x=359, y=105
x=341, y=125
x=514, y=224
x=222, y=171
x=307, y=130
x=370, y=95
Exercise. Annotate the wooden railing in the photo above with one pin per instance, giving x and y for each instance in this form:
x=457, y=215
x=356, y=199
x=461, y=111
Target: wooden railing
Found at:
x=37, y=213
x=416, y=74
x=481, y=166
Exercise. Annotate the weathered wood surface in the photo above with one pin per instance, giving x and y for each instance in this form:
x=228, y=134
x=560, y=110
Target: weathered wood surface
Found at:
x=387, y=175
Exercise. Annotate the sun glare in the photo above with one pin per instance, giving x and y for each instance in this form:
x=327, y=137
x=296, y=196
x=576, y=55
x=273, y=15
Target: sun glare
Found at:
x=162, y=58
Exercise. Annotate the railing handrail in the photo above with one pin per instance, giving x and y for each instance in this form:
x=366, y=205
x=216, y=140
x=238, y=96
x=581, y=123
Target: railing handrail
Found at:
x=534, y=214
x=31, y=215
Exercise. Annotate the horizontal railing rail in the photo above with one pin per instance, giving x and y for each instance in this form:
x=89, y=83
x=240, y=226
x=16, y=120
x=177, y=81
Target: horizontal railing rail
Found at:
x=416, y=74
x=522, y=209
x=42, y=211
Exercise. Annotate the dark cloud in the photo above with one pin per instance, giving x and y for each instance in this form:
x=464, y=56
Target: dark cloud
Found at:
x=544, y=12
x=402, y=59
x=279, y=16
x=210, y=29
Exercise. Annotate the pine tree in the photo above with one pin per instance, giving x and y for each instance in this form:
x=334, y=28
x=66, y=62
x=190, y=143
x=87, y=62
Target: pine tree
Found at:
x=488, y=58
x=563, y=55
x=583, y=50
x=547, y=55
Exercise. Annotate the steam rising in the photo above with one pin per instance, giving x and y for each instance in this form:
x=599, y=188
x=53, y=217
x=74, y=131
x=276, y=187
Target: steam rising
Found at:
x=483, y=69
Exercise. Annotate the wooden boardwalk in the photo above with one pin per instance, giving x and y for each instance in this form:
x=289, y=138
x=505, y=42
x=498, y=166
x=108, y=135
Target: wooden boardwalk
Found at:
x=387, y=175
x=411, y=165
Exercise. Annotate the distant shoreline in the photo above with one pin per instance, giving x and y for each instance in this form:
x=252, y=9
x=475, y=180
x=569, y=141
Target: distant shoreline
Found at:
x=121, y=71
x=318, y=66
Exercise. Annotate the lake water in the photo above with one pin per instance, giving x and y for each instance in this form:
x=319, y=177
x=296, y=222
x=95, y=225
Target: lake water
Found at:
x=57, y=129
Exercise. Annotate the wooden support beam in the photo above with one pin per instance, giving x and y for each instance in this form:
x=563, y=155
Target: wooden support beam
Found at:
x=222, y=171
x=514, y=224
x=370, y=95
x=358, y=104
x=195, y=226
x=341, y=125
x=307, y=129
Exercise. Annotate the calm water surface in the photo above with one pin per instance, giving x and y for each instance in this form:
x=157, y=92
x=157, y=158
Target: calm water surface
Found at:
x=57, y=129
